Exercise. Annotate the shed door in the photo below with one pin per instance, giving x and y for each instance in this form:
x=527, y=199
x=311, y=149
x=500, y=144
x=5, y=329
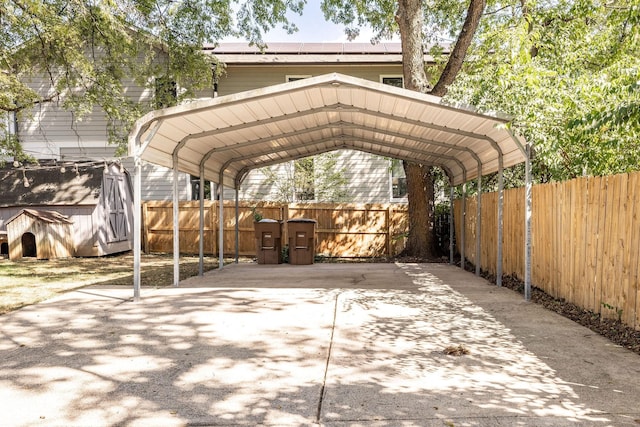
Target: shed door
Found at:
x=118, y=229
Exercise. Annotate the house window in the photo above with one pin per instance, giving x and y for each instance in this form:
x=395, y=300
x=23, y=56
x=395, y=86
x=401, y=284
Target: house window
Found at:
x=304, y=178
x=392, y=80
x=398, y=180
x=166, y=92
x=293, y=78
x=195, y=188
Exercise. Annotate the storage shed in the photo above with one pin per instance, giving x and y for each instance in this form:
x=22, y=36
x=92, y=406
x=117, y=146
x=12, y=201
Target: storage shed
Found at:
x=95, y=196
x=40, y=234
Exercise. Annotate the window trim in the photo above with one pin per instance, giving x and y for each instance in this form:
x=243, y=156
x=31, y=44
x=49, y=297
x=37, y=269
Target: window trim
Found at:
x=391, y=197
x=391, y=76
x=288, y=77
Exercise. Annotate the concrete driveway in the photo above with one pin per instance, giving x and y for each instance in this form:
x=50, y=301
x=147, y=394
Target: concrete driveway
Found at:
x=327, y=344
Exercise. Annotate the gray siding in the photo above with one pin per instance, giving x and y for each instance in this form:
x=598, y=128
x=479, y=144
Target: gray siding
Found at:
x=368, y=178
x=242, y=78
x=368, y=175
x=50, y=132
x=48, y=128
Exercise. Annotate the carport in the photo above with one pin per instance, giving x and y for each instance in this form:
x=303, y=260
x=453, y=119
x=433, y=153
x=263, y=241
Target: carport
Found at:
x=224, y=138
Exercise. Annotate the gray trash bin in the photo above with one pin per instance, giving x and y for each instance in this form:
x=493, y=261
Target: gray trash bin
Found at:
x=302, y=240
x=268, y=234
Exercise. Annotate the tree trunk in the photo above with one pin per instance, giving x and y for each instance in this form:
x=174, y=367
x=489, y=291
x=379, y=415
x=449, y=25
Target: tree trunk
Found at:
x=410, y=20
x=421, y=241
x=420, y=193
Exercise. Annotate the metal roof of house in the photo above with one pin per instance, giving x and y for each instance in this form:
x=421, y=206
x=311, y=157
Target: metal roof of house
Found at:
x=302, y=48
x=236, y=133
x=310, y=53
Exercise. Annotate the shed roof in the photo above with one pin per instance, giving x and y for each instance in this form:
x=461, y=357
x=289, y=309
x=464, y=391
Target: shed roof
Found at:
x=51, y=217
x=78, y=185
x=236, y=133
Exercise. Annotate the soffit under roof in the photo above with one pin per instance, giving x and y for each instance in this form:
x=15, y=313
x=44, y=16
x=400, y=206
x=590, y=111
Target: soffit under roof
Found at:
x=236, y=133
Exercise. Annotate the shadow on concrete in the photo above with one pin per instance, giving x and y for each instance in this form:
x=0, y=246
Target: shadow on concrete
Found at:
x=337, y=345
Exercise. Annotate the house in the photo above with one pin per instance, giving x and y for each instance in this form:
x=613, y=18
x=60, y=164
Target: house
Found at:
x=53, y=133
x=369, y=178
x=93, y=201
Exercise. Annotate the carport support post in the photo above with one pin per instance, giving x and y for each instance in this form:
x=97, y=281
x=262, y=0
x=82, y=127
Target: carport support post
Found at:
x=479, y=222
x=237, y=226
x=221, y=222
x=176, y=223
x=500, y=221
x=137, y=225
x=527, y=226
x=201, y=225
x=451, y=225
x=463, y=224
x=526, y=150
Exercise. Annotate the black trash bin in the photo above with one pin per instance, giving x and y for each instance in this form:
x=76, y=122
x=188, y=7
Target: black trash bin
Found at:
x=268, y=241
x=302, y=240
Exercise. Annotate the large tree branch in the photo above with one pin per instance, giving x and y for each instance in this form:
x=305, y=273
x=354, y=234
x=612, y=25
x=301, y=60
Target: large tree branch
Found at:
x=456, y=59
x=410, y=19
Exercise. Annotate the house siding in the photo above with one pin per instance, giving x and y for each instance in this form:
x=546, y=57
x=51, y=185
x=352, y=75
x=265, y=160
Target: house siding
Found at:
x=243, y=78
x=367, y=175
x=49, y=131
x=48, y=127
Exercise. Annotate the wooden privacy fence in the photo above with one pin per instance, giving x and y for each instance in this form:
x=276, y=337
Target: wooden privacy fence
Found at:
x=344, y=230
x=585, y=241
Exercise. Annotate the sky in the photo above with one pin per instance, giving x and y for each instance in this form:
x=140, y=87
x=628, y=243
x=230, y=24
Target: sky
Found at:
x=312, y=27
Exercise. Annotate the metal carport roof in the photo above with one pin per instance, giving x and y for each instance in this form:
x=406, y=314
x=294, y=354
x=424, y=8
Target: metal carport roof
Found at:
x=236, y=133
x=222, y=139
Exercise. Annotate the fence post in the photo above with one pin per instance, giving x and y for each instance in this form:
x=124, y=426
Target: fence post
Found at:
x=145, y=227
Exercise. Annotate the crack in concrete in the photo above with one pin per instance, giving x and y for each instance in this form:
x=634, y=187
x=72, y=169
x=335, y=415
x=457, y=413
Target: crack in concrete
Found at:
x=326, y=367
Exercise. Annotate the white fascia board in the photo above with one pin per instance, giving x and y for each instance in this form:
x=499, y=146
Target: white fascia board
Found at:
x=315, y=59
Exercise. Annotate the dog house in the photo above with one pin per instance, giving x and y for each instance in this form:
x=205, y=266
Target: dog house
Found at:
x=40, y=234
x=4, y=244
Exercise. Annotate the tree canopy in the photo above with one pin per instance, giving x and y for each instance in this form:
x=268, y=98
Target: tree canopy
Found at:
x=89, y=50
x=569, y=74
x=567, y=71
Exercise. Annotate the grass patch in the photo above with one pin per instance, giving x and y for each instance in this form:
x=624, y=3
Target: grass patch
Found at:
x=30, y=281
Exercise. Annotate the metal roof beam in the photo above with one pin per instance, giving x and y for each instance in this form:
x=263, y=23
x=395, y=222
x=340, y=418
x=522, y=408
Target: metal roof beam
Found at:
x=341, y=125
x=340, y=138
x=344, y=143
